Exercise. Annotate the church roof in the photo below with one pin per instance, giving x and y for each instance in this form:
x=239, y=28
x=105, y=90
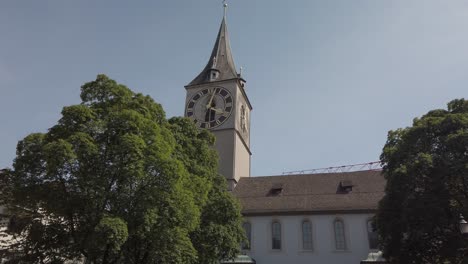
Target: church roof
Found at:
x=221, y=59
x=323, y=193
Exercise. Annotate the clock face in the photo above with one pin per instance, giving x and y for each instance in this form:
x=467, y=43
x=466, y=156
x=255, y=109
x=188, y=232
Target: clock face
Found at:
x=210, y=107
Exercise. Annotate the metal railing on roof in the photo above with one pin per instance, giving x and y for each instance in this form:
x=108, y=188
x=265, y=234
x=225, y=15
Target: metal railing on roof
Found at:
x=375, y=166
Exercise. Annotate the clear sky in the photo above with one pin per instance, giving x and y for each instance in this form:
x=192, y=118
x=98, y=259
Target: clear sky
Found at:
x=327, y=79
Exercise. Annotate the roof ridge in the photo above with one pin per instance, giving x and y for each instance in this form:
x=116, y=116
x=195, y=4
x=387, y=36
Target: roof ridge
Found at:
x=311, y=194
x=311, y=174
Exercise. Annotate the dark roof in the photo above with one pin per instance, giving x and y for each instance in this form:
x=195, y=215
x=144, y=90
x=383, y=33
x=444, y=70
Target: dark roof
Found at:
x=310, y=193
x=220, y=59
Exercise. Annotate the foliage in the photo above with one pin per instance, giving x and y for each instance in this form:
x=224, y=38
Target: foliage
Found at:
x=426, y=168
x=220, y=231
x=114, y=182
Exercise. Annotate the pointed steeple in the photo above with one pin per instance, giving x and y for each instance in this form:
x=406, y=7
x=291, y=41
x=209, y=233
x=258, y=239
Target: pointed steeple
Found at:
x=220, y=66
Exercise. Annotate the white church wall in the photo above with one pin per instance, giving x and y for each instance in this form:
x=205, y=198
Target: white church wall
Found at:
x=323, y=239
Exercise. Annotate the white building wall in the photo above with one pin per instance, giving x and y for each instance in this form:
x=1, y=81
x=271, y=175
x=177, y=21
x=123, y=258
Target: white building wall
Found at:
x=323, y=252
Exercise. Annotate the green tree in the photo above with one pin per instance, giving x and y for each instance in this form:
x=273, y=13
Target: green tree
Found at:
x=426, y=168
x=115, y=182
x=220, y=232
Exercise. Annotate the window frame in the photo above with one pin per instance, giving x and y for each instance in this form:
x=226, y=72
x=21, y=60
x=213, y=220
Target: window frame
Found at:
x=369, y=233
x=249, y=236
x=311, y=235
x=272, y=235
x=342, y=237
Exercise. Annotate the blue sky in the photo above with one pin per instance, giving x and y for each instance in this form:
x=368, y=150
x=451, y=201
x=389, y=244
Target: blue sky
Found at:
x=327, y=79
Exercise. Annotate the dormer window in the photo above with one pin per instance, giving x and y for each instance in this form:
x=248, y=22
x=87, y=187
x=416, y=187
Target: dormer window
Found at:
x=214, y=75
x=345, y=186
x=276, y=189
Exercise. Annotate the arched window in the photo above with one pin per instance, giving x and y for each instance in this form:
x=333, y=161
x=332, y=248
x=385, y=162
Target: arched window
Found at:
x=275, y=235
x=306, y=235
x=243, y=119
x=340, y=239
x=248, y=233
x=372, y=235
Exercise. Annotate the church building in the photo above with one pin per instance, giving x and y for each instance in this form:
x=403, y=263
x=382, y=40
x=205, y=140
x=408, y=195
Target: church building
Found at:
x=303, y=218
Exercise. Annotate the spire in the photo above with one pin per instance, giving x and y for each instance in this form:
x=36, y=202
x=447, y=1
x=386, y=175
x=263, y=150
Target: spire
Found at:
x=220, y=66
x=225, y=8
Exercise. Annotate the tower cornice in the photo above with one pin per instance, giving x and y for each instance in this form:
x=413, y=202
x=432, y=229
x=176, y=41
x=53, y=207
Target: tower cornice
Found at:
x=240, y=82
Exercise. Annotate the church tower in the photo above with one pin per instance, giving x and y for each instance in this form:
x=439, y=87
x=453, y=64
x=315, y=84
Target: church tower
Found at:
x=217, y=101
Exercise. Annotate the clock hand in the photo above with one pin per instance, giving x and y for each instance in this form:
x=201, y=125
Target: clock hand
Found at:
x=211, y=100
x=219, y=111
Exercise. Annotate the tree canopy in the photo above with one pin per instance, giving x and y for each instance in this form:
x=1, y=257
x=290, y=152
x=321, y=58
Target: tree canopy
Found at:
x=426, y=168
x=114, y=181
